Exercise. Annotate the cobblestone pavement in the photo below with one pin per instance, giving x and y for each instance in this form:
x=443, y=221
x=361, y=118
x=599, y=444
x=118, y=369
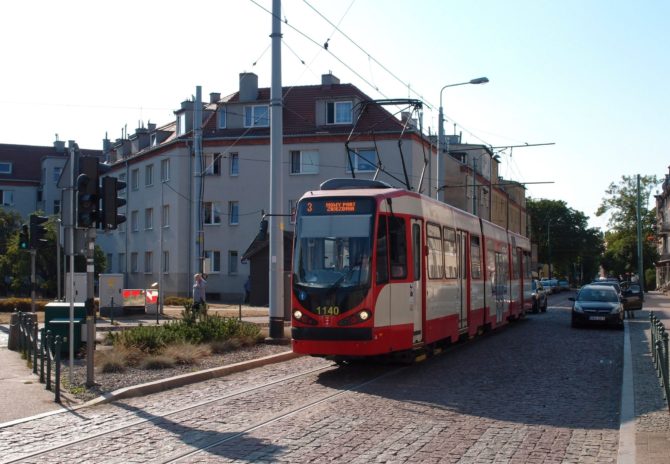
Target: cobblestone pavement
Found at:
x=537, y=391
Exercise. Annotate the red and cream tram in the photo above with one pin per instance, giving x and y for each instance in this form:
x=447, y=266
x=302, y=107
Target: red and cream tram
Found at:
x=380, y=270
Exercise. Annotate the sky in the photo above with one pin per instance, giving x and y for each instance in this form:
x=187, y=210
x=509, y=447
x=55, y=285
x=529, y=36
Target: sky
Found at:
x=585, y=80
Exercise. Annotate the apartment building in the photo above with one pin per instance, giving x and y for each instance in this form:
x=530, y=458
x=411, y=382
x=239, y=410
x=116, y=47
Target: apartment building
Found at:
x=29, y=176
x=663, y=235
x=179, y=202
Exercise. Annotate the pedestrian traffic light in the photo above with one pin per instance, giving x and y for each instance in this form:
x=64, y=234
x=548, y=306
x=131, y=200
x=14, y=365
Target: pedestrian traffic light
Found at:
x=24, y=238
x=37, y=231
x=87, y=192
x=111, y=203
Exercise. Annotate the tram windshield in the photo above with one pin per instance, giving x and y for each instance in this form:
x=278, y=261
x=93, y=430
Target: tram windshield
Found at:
x=332, y=250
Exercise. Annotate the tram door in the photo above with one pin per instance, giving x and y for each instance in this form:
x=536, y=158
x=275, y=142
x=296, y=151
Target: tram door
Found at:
x=461, y=239
x=416, y=288
x=500, y=286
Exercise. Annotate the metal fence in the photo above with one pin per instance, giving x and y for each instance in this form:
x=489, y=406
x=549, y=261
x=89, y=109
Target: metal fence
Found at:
x=46, y=348
x=659, y=350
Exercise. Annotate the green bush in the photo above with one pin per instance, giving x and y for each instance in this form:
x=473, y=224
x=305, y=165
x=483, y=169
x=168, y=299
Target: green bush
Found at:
x=8, y=305
x=176, y=301
x=154, y=339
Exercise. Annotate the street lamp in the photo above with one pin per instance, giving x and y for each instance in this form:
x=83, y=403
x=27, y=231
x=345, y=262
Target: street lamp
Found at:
x=440, y=133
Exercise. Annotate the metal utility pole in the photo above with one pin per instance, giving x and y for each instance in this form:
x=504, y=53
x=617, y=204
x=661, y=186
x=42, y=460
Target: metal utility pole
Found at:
x=638, y=214
x=90, y=306
x=276, y=267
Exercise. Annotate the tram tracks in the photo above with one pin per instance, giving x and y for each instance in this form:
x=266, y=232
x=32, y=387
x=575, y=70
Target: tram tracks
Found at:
x=197, y=413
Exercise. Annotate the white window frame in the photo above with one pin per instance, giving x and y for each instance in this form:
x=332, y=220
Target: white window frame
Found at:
x=148, y=219
x=221, y=118
x=166, y=262
x=214, y=257
x=251, y=119
x=339, y=116
x=181, y=123
x=148, y=262
x=165, y=169
x=214, y=213
x=233, y=213
x=292, y=208
x=212, y=164
x=233, y=256
x=57, y=172
x=133, y=263
x=6, y=167
x=7, y=197
x=304, y=162
x=165, y=217
x=134, y=221
x=122, y=262
x=122, y=178
x=108, y=262
x=135, y=179
x=356, y=159
x=149, y=175
x=234, y=164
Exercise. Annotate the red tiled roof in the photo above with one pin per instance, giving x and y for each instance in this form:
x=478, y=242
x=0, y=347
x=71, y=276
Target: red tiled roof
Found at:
x=27, y=160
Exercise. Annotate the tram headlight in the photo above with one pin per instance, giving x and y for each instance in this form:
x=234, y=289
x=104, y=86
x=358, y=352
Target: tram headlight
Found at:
x=297, y=314
x=364, y=315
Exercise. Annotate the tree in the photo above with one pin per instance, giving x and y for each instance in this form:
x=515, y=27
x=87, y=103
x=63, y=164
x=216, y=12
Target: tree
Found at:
x=621, y=240
x=10, y=223
x=564, y=239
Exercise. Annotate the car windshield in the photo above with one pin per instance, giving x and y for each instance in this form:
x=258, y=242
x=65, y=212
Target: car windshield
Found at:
x=598, y=294
x=614, y=285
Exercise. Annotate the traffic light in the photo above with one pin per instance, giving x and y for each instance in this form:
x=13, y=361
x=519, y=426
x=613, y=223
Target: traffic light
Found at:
x=110, y=203
x=37, y=231
x=24, y=238
x=88, y=192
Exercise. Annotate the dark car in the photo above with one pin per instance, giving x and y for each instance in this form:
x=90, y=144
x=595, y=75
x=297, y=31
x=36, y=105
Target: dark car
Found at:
x=539, y=297
x=599, y=305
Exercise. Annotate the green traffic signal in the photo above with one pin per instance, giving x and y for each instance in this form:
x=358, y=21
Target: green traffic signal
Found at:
x=24, y=238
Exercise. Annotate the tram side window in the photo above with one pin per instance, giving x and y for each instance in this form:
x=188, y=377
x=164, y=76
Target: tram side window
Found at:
x=450, y=254
x=382, y=252
x=527, y=271
x=434, y=241
x=475, y=256
x=398, y=247
x=516, y=269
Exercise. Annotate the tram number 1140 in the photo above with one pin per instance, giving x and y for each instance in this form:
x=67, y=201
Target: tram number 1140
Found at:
x=327, y=310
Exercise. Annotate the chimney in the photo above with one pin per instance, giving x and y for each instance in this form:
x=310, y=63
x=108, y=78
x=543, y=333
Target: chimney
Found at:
x=139, y=140
x=151, y=126
x=248, y=87
x=59, y=146
x=214, y=97
x=328, y=79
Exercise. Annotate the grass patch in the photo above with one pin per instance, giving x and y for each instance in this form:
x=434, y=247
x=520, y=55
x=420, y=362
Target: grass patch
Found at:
x=157, y=361
x=187, y=353
x=110, y=361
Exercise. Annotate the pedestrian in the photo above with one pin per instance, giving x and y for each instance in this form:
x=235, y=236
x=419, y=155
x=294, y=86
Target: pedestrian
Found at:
x=247, y=290
x=199, y=293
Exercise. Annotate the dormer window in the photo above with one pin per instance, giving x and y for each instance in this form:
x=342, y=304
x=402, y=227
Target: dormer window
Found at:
x=153, y=140
x=5, y=167
x=256, y=116
x=181, y=124
x=339, y=112
x=221, y=118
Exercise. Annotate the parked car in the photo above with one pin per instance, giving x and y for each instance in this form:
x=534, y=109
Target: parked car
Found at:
x=539, y=297
x=598, y=304
x=632, y=291
x=550, y=285
x=563, y=285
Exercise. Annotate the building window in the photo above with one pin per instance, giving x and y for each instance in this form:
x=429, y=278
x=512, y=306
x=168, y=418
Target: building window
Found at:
x=149, y=218
x=122, y=263
x=165, y=169
x=148, y=262
x=57, y=172
x=234, y=159
x=135, y=179
x=212, y=212
x=339, y=112
x=363, y=159
x=212, y=164
x=221, y=117
x=232, y=262
x=256, y=116
x=40, y=195
x=133, y=262
x=153, y=139
x=7, y=197
x=5, y=167
x=122, y=178
x=108, y=262
x=304, y=162
x=56, y=207
x=233, y=212
x=214, y=258
x=181, y=124
x=134, y=221
x=165, y=219
x=149, y=175
x=166, y=262
x=292, y=205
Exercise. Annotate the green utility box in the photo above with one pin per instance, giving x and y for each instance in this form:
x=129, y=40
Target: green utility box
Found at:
x=57, y=320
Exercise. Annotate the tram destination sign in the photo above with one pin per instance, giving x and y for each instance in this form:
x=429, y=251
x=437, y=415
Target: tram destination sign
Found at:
x=326, y=206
